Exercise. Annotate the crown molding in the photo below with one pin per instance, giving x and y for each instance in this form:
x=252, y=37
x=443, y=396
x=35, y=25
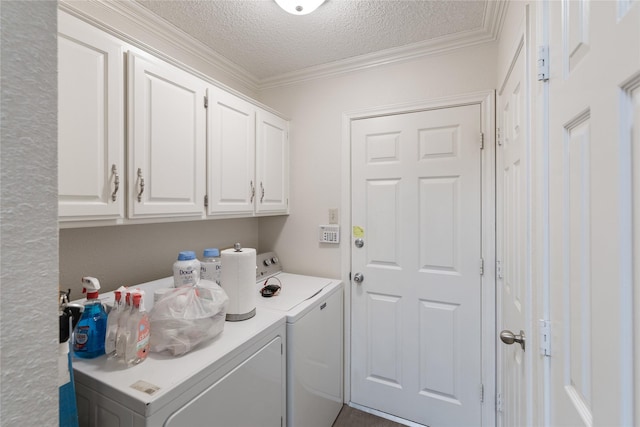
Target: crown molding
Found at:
x=160, y=29
x=491, y=27
x=376, y=59
x=151, y=23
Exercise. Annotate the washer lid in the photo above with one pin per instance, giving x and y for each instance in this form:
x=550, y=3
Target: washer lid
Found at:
x=294, y=289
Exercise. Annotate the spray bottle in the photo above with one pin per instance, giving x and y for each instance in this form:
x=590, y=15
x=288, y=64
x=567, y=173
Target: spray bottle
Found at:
x=121, y=335
x=138, y=332
x=112, y=322
x=89, y=333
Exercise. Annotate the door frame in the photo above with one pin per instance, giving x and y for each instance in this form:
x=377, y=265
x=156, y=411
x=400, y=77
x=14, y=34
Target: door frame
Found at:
x=486, y=100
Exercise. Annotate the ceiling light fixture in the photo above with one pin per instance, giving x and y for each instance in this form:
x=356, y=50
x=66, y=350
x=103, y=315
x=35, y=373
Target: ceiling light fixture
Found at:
x=299, y=7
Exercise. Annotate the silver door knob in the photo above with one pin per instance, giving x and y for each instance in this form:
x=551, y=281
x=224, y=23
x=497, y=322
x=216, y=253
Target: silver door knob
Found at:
x=509, y=337
x=358, y=278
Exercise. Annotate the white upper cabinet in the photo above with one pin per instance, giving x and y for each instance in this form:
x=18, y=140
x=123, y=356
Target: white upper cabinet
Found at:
x=248, y=158
x=90, y=123
x=231, y=154
x=138, y=142
x=167, y=145
x=272, y=164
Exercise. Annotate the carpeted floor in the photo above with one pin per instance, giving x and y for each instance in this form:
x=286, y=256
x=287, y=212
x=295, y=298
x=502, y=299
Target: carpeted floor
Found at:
x=350, y=417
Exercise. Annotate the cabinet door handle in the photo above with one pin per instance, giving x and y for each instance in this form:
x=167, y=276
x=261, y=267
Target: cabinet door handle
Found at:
x=261, y=192
x=116, y=182
x=141, y=184
x=253, y=192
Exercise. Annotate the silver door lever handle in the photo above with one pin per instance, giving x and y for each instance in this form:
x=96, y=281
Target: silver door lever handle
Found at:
x=509, y=337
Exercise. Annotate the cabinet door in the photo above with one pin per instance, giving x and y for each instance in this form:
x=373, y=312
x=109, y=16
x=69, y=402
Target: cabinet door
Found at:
x=232, y=186
x=90, y=122
x=272, y=164
x=166, y=139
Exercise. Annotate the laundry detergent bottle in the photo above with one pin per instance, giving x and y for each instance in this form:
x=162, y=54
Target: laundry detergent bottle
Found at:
x=89, y=333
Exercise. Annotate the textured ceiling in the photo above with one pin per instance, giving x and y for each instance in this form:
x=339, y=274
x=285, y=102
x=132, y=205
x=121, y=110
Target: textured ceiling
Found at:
x=267, y=42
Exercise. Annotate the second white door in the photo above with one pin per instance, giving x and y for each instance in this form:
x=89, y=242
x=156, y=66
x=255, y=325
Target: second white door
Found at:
x=417, y=312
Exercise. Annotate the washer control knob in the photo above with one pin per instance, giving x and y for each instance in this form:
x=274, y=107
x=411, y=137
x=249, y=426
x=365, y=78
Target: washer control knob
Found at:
x=267, y=262
x=274, y=260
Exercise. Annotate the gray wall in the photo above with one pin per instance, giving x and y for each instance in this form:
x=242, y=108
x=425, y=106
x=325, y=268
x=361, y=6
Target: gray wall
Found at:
x=28, y=214
x=133, y=254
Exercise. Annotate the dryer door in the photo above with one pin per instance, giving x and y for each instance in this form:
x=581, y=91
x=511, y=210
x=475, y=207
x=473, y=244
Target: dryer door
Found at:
x=249, y=395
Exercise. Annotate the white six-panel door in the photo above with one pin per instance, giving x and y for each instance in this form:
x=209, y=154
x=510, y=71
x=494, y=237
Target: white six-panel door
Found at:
x=594, y=81
x=416, y=315
x=512, y=218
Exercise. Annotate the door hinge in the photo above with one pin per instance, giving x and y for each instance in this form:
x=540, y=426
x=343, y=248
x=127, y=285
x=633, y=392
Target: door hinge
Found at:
x=482, y=266
x=481, y=393
x=545, y=337
x=206, y=102
x=482, y=141
x=499, y=269
x=498, y=402
x=206, y=201
x=281, y=348
x=543, y=63
x=498, y=136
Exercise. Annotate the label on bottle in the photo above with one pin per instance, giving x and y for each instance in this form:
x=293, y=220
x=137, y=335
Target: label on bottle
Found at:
x=142, y=346
x=186, y=272
x=81, y=338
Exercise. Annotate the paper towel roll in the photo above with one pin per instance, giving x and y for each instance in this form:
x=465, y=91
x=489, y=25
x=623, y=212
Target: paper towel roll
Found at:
x=238, y=279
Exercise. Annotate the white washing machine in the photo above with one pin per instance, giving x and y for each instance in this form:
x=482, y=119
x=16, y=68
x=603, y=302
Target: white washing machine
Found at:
x=313, y=307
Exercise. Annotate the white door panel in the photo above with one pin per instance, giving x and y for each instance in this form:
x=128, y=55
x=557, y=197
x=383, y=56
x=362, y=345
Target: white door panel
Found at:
x=416, y=317
x=513, y=217
x=90, y=122
x=231, y=154
x=595, y=49
x=166, y=139
x=272, y=163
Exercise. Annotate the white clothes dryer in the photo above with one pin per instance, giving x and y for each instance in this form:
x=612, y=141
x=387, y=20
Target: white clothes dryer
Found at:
x=313, y=307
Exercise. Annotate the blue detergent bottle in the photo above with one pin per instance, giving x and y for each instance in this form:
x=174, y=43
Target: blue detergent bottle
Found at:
x=89, y=333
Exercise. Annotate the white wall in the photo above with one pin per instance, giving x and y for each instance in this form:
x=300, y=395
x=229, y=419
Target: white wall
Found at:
x=316, y=108
x=28, y=214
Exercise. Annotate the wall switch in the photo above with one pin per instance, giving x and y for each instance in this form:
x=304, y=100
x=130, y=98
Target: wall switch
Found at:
x=333, y=216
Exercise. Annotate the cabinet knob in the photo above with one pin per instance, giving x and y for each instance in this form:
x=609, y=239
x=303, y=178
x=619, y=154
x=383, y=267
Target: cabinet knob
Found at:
x=253, y=191
x=262, y=192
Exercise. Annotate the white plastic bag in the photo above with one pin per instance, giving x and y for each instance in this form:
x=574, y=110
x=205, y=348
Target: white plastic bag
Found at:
x=187, y=316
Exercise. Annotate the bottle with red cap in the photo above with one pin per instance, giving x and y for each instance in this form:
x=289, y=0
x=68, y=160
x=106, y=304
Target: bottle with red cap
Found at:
x=123, y=318
x=112, y=321
x=89, y=333
x=138, y=332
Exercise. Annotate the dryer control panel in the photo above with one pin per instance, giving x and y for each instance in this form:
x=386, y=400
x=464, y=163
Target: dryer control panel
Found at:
x=267, y=264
